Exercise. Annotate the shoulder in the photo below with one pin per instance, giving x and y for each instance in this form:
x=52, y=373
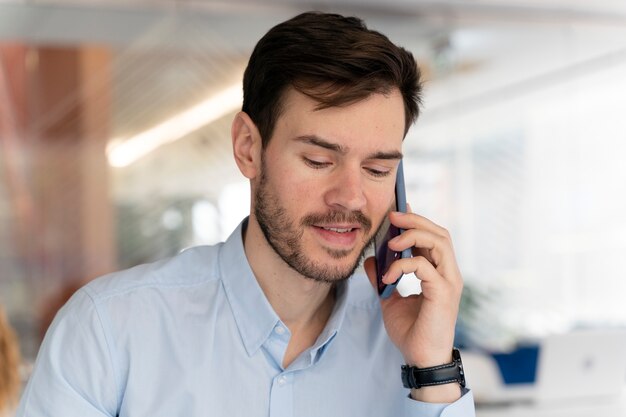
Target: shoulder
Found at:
x=192, y=267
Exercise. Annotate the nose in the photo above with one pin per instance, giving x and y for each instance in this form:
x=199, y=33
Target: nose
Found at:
x=346, y=190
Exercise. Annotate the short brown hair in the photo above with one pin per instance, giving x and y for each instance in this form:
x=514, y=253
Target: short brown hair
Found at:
x=333, y=59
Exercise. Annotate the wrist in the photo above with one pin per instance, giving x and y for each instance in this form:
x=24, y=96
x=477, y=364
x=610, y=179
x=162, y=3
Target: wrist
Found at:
x=426, y=356
x=438, y=383
x=427, y=361
x=441, y=394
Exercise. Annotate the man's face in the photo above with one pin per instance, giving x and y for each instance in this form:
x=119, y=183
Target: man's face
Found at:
x=327, y=180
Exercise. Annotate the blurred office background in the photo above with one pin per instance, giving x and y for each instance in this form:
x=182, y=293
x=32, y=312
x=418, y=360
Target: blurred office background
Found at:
x=115, y=146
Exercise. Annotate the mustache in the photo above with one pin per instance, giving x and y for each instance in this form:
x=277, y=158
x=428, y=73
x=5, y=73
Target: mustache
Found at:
x=338, y=217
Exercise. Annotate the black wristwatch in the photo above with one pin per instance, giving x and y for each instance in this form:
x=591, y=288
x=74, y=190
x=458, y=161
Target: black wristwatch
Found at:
x=414, y=377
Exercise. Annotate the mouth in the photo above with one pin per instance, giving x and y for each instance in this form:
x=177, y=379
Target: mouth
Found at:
x=343, y=236
x=337, y=229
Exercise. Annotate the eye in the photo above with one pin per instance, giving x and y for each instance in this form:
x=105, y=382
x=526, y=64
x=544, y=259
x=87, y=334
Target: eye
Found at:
x=315, y=164
x=376, y=172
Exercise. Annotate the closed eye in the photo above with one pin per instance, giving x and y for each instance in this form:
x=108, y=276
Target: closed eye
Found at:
x=380, y=173
x=315, y=164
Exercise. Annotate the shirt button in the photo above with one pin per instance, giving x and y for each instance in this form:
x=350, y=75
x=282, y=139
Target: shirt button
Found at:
x=282, y=380
x=279, y=330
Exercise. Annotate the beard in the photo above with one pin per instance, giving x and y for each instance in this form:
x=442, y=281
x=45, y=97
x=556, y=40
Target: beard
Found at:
x=285, y=236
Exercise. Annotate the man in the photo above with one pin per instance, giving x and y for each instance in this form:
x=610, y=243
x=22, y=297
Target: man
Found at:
x=272, y=322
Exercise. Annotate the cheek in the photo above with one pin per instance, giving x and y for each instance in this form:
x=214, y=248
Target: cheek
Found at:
x=294, y=184
x=295, y=193
x=380, y=198
x=301, y=195
x=379, y=202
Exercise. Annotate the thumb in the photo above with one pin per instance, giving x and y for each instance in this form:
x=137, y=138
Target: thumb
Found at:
x=370, y=269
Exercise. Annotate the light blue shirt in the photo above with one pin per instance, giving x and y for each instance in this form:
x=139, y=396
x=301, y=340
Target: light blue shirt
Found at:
x=194, y=335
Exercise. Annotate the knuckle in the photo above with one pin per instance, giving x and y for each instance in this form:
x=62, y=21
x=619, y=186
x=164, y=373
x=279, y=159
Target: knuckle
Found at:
x=421, y=262
x=442, y=241
x=402, y=266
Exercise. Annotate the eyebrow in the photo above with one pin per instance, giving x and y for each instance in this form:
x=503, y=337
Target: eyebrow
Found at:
x=322, y=143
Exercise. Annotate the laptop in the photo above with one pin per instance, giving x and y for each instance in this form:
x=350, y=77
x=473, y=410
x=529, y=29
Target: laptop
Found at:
x=577, y=366
x=582, y=364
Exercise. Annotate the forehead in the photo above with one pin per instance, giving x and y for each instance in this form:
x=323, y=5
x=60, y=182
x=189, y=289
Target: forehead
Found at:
x=377, y=121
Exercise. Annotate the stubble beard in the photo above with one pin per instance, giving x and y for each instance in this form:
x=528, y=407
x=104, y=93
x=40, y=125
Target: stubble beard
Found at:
x=286, y=238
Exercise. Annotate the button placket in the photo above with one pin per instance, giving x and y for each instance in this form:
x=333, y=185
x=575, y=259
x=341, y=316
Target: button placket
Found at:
x=281, y=396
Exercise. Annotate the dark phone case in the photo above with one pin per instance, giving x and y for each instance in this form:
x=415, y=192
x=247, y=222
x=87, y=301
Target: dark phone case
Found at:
x=385, y=256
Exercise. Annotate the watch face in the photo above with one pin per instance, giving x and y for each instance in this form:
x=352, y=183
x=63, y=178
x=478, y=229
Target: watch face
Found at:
x=405, y=376
x=456, y=356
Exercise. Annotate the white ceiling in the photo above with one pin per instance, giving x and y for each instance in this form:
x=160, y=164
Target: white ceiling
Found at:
x=120, y=22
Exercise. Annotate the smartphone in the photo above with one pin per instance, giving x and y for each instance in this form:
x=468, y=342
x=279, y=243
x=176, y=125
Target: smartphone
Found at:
x=383, y=255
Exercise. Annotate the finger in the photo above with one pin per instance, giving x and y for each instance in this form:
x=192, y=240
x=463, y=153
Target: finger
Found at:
x=421, y=238
x=433, y=284
x=410, y=221
x=417, y=265
x=436, y=248
x=414, y=221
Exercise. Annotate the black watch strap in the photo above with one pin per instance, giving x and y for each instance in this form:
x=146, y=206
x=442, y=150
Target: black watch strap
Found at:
x=414, y=377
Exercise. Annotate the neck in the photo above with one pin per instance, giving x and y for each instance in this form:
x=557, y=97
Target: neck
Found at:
x=304, y=305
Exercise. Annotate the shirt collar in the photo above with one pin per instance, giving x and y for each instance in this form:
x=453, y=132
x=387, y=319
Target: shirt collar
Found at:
x=335, y=321
x=253, y=313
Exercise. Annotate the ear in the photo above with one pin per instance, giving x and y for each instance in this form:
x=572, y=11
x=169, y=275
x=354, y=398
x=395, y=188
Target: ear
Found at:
x=247, y=145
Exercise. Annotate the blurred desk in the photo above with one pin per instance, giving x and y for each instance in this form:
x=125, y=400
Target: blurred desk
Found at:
x=610, y=408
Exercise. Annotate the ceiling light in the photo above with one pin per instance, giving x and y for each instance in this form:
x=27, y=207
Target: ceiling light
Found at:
x=123, y=152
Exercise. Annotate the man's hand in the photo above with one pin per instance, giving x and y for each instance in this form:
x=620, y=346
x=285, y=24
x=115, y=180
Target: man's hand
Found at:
x=422, y=326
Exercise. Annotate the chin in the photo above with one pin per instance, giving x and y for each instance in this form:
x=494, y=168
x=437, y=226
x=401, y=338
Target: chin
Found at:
x=342, y=267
